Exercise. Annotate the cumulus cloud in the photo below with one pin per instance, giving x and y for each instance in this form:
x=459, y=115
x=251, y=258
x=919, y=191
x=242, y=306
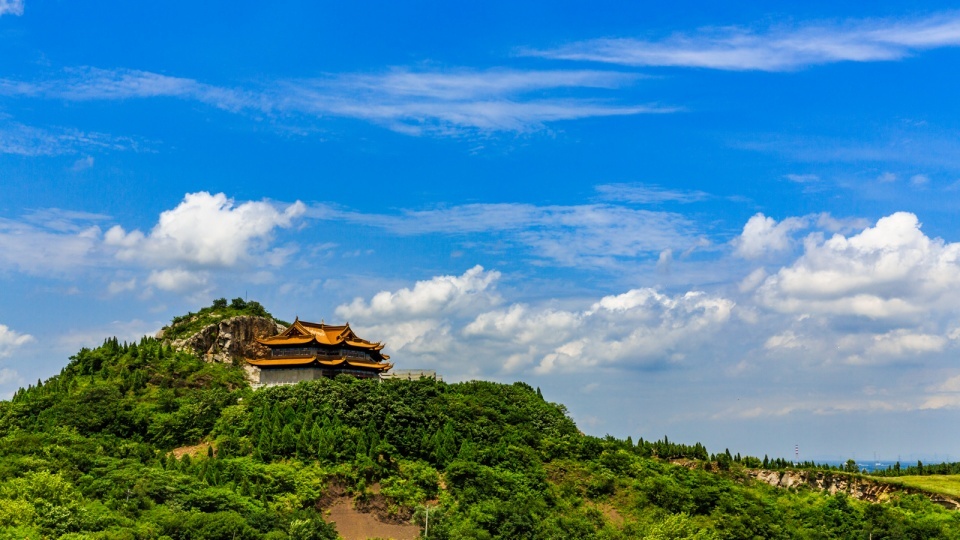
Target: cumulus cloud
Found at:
x=890, y=270
x=452, y=317
x=418, y=318
x=780, y=48
x=753, y=280
x=204, y=230
x=762, y=236
x=437, y=296
x=205, y=233
x=10, y=340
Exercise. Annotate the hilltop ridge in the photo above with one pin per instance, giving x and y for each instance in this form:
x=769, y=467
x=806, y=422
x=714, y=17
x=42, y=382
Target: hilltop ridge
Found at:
x=100, y=451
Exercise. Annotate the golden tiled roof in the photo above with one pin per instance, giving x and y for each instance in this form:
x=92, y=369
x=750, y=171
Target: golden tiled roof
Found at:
x=303, y=361
x=302, y=333
x=280, y=362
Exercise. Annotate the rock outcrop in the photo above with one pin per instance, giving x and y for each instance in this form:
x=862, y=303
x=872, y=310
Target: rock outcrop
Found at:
x=231, y=338
x=857, y=487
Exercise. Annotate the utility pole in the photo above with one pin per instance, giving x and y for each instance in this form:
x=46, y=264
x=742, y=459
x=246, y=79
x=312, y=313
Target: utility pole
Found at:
x=426, y=527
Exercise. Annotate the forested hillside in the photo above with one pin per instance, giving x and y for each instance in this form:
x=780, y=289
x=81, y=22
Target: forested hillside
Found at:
x=89, y=454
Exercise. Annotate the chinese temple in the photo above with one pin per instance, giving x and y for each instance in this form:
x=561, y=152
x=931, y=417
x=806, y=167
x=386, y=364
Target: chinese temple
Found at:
x=307, y=351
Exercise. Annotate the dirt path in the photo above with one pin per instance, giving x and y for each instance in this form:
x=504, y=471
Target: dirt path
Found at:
x=355, y=525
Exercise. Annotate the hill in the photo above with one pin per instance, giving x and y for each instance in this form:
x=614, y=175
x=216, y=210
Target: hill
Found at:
x=139, y=440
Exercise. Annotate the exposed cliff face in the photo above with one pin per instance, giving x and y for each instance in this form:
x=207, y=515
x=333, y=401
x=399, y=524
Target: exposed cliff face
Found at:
x=855, y=486
x=231, y=338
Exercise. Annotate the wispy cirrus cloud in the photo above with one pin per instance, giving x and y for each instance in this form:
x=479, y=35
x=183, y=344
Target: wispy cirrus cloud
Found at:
x=648, y=194
x=913, y=147
x=449, y=101
x=88, y=84
x=779, y=48
x=23, y=140
x=589, y=235
x=11, y=7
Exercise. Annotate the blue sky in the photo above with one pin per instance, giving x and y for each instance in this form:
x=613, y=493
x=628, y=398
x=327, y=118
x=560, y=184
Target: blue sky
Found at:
x=727, y=224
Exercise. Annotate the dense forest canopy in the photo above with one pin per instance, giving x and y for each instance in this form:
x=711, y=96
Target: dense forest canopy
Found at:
x=98, y=452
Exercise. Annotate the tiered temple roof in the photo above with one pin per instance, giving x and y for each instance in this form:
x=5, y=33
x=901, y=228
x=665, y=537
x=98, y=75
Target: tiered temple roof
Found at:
x=333, y=347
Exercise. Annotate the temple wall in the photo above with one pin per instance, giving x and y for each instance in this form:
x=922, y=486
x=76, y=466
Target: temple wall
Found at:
x=271, y=377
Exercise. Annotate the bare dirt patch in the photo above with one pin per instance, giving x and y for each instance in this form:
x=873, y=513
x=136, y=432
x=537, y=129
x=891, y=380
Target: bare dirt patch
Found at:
x=611, y=514
x=196, y=450
x=353, y=524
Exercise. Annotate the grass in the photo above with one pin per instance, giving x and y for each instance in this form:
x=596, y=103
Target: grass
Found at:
x=191, y=323
x=945, y=484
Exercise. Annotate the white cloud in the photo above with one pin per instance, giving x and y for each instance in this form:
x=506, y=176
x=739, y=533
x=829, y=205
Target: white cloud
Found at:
x=802, y=178
x=87, y=83
x=23, y=140
x=639, y=328
x=891, y=270
x=942, y=401
x=437, y=296
x=119, y=286
x=784, y=340
x=648, y=194
x=11, y=7
x=205, y=230
x=455, y=317
x=951, y=384
x=762, y=235
x=10, y=340
x=203, y=234
x=919, y=180
x=178, y=279
x=448, y=101
x=82, y=164
x=454, y=100
x=753, y=280
x=47, y=248
x=779, y=48
x=418, y=319
x=898, y=343
x=592, y=235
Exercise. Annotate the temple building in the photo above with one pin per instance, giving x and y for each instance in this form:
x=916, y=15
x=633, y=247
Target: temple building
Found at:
x=307, y=351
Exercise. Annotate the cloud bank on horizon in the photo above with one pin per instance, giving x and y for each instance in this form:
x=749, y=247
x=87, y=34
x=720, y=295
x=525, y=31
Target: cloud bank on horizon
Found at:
x=832, y=294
